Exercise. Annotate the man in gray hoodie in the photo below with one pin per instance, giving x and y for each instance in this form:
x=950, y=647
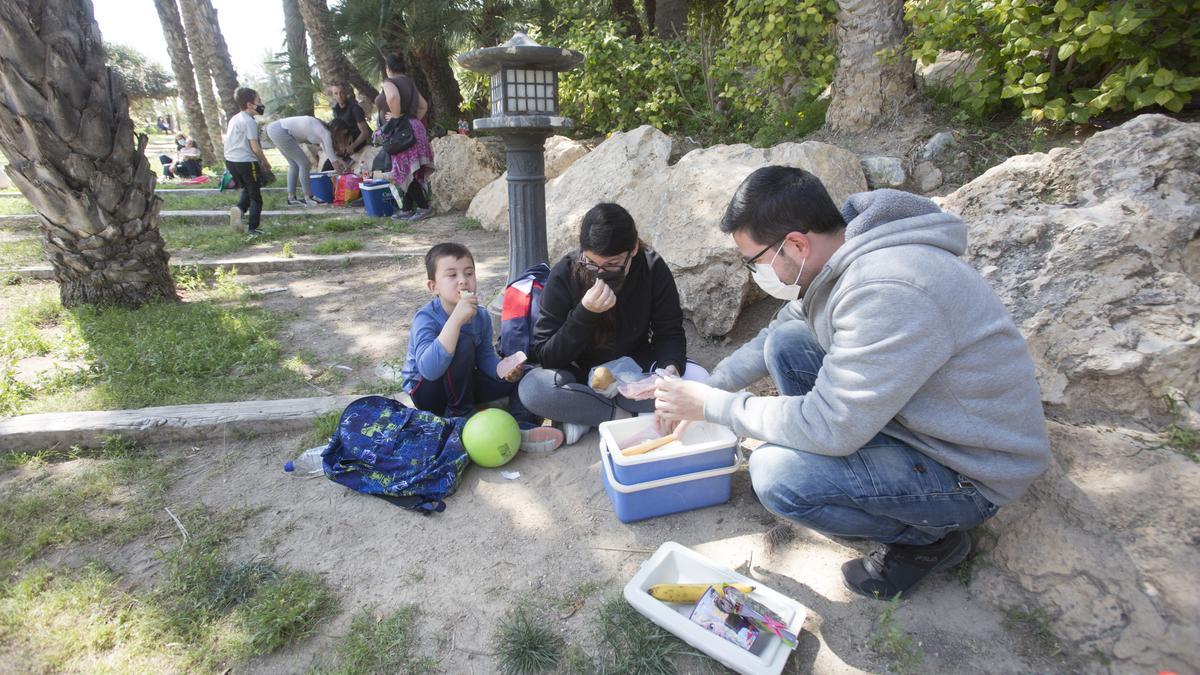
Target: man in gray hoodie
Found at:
x=908, y=412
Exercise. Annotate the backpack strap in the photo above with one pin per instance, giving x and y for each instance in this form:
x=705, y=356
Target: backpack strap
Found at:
x=421, y=505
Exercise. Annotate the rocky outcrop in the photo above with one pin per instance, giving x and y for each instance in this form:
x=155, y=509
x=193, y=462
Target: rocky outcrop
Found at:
x=1095, y=252
x=463, y=167
x=490, y=206
x=678, y=208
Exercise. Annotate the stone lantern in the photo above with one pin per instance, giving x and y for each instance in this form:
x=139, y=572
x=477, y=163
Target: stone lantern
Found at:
x=524, y=112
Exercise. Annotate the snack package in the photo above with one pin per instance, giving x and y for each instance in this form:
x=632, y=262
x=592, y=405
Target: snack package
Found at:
x=643, y=388
x=730, y=599
x=618, y=371
x=733, y=627
x=510, y=363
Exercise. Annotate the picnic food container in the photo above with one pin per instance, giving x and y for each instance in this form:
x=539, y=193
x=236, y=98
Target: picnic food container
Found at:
x=377, y=198
x=674, y=563
x=320, y=186
x=674, y=494
x=704, y=446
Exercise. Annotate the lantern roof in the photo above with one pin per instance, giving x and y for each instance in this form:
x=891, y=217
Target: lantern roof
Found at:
x=520, y=50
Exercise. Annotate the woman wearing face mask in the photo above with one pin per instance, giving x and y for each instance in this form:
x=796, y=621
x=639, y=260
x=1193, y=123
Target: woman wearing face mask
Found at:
x=613, y=297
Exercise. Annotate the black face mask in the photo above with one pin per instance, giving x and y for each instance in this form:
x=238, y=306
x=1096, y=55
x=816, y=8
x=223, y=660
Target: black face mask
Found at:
x=260, y=109
x=612, y=278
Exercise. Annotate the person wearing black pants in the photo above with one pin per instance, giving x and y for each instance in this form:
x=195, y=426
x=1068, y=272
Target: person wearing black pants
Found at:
x=245, y=160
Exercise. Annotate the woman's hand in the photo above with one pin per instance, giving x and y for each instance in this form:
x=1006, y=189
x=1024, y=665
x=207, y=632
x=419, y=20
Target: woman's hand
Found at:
x=387, y=116
x=599, y=298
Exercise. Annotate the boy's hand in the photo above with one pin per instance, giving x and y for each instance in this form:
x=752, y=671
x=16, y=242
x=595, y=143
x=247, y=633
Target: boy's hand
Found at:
x=599, y=298
x=464, y=311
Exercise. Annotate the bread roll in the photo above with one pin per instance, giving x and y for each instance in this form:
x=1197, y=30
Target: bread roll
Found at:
x=602, y=378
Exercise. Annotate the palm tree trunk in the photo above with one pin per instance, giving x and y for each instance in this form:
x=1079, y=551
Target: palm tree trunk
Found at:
x=332, y=63
x=874, y=76
x=299, y=71
x=204, y=80
x=65, y=128
x=623, y=11
x=444, y=96
x=219, y=63
x=185, y=75
x=670, y=18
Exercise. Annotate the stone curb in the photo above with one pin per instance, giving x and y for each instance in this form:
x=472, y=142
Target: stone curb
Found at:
x=254, y=265
x=165, y=424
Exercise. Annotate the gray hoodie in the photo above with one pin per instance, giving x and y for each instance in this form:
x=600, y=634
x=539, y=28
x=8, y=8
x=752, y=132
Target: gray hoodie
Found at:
x=917, y=346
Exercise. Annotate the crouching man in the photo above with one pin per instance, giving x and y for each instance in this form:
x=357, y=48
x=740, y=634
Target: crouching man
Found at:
x=908, y=412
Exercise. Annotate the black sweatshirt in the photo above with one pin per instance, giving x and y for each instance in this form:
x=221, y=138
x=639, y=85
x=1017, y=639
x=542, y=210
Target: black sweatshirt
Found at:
x=649, y=324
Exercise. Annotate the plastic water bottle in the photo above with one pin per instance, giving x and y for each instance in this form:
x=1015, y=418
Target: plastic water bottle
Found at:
x=308, y=464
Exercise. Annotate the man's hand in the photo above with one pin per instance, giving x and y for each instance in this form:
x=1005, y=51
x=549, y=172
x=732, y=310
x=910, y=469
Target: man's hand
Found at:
x=464, y=311
x=677, y=400
x=599, y=298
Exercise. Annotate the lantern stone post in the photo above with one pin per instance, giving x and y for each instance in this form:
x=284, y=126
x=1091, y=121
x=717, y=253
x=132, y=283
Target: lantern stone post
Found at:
x=524, y=113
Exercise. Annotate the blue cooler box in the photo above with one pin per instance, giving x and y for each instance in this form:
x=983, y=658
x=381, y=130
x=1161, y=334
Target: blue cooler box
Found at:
x=377, y=198
x=666, y=495
x=320, y=186
x=704, y=446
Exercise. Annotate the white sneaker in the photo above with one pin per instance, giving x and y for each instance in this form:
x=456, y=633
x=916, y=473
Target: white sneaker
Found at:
x=541, y=439
x=235, y=219
x=574, y=432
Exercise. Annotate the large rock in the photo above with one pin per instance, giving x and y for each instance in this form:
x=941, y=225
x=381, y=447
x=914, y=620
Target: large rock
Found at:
x=463, y=167
x=490, y=205
x=678, y=208
x=1095, y=251
x=948, y=66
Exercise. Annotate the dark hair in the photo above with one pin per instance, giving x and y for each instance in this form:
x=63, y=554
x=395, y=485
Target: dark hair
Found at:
x=339, y=129
x=346, y=87
x=244, y=96
x=775, y=200
x=395, y=63
x=444, y=250
x=607, y=229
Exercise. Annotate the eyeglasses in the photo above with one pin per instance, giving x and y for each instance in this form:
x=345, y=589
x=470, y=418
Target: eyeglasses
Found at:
x=594, y=268
x=749, y=262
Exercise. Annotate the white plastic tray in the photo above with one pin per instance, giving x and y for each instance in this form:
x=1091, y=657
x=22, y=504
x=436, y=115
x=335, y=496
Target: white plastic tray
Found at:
x=674, y=563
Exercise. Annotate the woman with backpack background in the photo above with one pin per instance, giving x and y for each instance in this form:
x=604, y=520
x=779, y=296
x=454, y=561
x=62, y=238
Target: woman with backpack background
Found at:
x=611, y=302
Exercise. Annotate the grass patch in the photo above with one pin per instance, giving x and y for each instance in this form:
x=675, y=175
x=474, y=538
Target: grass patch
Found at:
x=116, y=494
x=202, y=236
x=1177, y=436
x=631, y=644
x=323, y=427
x=469, y=224
x=205, y=350
x=983, y=540
x=15, y=206
x=332, y=246
x=527, y=644
x=381, y=645
x=217, y=201
x=1033, y=624
x=20, y=252
x=890, y=642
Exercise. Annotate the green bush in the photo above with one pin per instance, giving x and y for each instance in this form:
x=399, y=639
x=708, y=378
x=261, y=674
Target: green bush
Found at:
x=1069, y=60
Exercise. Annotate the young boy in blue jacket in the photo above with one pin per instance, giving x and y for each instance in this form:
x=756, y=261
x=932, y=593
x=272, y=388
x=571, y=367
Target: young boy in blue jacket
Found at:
x=452, y=366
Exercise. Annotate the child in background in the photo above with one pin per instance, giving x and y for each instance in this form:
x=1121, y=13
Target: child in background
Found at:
x=452, y=364
x=245, y=160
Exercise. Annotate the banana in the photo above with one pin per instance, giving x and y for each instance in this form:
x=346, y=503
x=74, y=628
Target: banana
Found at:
x=689, y=592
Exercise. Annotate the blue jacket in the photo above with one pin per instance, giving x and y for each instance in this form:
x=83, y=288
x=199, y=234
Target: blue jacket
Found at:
x=428, y=360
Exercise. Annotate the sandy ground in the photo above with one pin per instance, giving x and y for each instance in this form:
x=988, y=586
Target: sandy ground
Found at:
x=541, y=537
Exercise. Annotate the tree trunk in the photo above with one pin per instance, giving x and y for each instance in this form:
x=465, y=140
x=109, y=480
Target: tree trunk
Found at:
x=185, y=76
x=874, y=76
x=65, y=128
x=670, y=18
x=623, y=11
x=204, y=83
x=332, y=63
x=219, y=63
x=299, y=72
x=443, y=93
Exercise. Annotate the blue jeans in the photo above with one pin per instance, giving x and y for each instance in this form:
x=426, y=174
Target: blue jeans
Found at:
x=886, y=490
x=463, y=386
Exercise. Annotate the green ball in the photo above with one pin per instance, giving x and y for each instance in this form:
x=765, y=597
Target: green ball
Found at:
x=491, y=437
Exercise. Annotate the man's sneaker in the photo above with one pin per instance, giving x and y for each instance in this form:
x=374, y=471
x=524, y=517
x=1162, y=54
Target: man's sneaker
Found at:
x=301, y=202
x=541, y=439
x=894, y=570
x=403, y=214
x=235, y=218
x=419, y=214
x=256, y=232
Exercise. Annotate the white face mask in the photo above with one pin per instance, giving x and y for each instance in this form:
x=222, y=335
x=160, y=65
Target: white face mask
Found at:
x=764, y=275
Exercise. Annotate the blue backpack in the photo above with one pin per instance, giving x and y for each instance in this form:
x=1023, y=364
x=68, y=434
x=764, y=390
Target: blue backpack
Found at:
x=519, y=313
x=410, y=457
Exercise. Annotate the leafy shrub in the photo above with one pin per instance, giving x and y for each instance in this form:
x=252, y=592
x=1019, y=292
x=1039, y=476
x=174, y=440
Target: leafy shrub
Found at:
x=1068, y=60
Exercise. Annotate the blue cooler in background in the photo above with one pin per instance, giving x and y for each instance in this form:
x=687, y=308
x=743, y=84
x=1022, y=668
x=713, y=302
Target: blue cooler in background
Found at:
x=320, y=186
x=378, y=198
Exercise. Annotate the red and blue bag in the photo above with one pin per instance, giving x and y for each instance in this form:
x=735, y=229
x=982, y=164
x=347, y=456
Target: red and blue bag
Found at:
x=519, y=313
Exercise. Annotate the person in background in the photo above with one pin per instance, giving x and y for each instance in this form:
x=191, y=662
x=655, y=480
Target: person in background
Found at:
x=288, y=133
x=351, y=114
x=245, y=160
x=187, y=161
x=411, y=168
